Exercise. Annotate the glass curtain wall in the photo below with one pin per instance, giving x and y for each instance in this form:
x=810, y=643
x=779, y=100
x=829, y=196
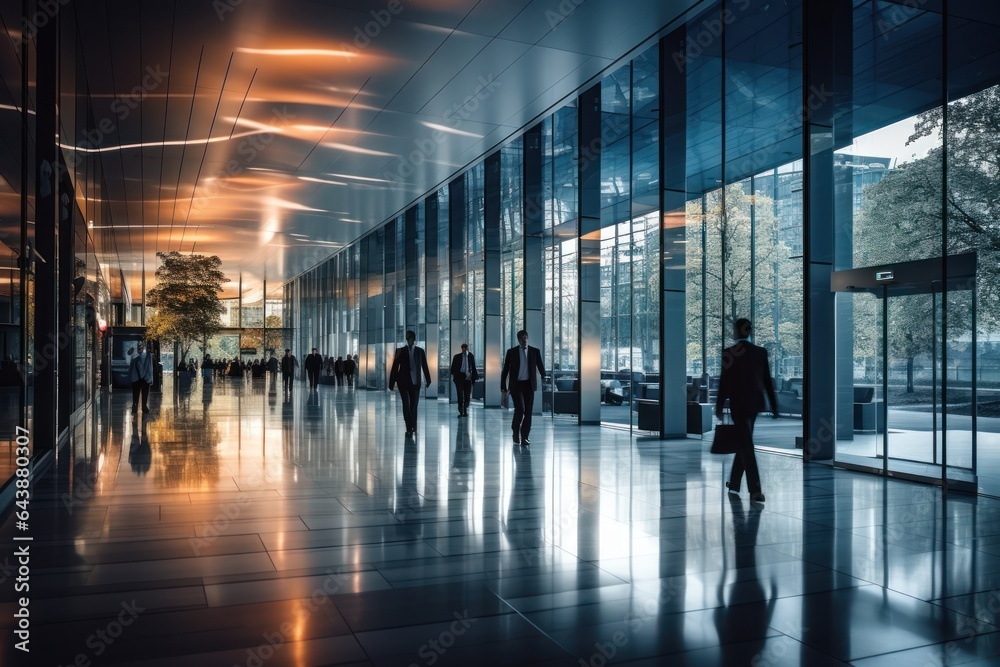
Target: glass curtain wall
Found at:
x=894, y=387
x=918, y=392
x=630, y=243
x=744, y=216
x=475, y=288
x=511, y=243
x=560, y=188
x=444, y=294
x=972, y=224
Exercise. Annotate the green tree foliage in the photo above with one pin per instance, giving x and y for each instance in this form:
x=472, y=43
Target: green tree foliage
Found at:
x=186, y=299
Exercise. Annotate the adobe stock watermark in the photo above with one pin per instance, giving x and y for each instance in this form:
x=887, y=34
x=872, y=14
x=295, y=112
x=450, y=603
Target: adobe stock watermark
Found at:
x=778, y=649
x=968, y=628
x=363, y=34
x=102, y=639
x=700, y=38
x=633, y=623
x=249, y=149
x=91, y=139
x=274, y=641
x=45, y=12
x=892, y=17
x=426, y=148
x=432, y=650
x=561, y=12
x=219, y=524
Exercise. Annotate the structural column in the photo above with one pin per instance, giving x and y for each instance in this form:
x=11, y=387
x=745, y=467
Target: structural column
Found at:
x=589, y=169
x=493, y=354
x=44, y=258
x=822, y=25
x=364, y=308
x=673, y=204
x=534, y=248
x=457, y=216
x=431, y=287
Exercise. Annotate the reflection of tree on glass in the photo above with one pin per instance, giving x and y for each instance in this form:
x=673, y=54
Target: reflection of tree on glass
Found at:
x=744, y=246
x=900, y=220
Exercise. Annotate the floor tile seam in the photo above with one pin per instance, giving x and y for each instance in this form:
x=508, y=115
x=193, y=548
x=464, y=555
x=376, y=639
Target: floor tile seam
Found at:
x=87, y=589
x=853, y=659
x=813, y=648
x=527, y=620
x=487, y=573
x=995, y=627
x=112, y=615
x=354, y=632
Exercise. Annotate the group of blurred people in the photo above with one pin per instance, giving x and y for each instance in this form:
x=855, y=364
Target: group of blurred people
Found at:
x=253, y=368
x=342, y=368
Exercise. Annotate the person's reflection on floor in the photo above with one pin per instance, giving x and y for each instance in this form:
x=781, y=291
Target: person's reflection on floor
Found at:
x=206, y=392
x=140, y=456
x=463, y=461
x=312, y=405
x=408, y=500
x=743, y=619
x=523, y=526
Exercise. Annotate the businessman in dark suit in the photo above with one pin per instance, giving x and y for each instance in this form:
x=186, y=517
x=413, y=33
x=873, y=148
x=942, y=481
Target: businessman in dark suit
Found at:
x=520, y=364
x=463, y=374
x=746, y=379
x=407, y=365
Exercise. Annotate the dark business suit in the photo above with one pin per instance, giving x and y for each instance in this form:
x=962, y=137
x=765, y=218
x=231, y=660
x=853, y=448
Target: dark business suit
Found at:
x=463, y=381
x=522, y=392
x=746, y=379
x=313, y=366
x=409, y=392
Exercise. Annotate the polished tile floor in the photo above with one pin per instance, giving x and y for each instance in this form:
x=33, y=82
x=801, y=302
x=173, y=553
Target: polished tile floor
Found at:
x=236, y=526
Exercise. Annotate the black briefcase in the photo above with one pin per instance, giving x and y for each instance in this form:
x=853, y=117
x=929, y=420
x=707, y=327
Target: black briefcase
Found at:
x=727, y=439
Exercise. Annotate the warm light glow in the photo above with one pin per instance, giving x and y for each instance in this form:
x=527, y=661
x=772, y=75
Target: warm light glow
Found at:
x=298, y=52
x=173, y=142
x=277, y=202
x=269, y=230
x=102, y=324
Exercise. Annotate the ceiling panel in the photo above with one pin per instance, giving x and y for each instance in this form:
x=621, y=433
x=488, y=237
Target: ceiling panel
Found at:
x=443, y=66
x=332, y=117
x=492, y=17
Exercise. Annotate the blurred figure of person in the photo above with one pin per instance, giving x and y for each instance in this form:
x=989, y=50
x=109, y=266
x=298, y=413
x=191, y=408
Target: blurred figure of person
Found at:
x=520, y=364
x=288, y=365
x=328, y=365
x=272, y=368
x=314, y=366
x=349, y=371
x=141, y=375
x=338, y=369
x=463, y=374
x=746, y=379
x=408, y=364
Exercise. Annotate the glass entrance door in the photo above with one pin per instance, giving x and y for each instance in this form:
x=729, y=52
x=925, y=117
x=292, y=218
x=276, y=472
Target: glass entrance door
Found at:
x=904, y=405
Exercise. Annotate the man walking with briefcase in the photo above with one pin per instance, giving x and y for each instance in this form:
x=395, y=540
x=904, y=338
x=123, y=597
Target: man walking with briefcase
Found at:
x=746, y=378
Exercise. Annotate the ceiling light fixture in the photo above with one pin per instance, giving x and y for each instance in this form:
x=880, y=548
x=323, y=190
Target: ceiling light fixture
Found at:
x=360, y=178
x=334, y=53
x=320, y=180
x=356, y=149
x=450, y=130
